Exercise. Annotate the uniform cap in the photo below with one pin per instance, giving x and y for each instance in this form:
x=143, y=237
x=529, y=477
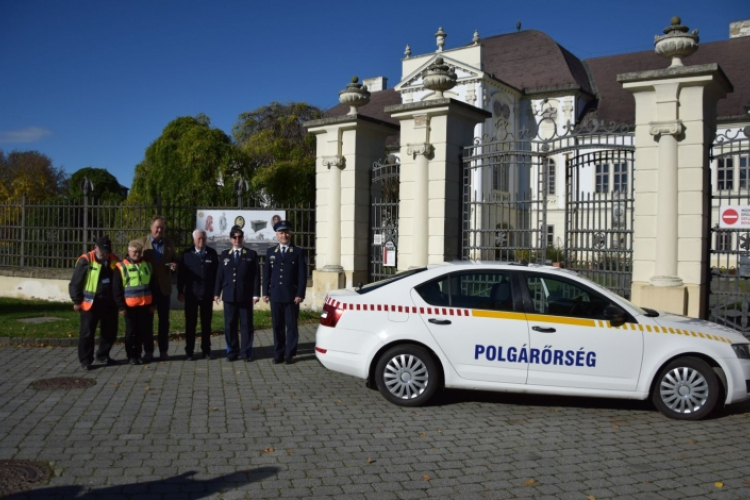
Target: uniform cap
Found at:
x=236, y=230
x=104, y=244
x=282, y=225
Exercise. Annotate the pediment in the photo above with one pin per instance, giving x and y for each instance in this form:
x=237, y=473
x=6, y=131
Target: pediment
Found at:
x=463, y=72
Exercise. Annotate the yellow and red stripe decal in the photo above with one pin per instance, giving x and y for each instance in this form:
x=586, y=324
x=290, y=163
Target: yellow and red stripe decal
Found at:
x=483, y=313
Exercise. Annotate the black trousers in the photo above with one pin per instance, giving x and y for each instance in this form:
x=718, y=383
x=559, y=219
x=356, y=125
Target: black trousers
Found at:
x=192, y=305
x=284, y=317
x=107, y=315
x=137, y=325
x=162, y=303
x=242, y=312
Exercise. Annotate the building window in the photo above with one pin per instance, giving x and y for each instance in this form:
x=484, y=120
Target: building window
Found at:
x=620, y=178
x=551, y=236
x=723, y=241
x=744, y=172
x=725, y=174
x=551, y=176
x=602, y=178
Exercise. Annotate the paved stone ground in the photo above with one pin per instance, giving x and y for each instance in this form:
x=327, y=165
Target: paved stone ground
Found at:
x=220, y=430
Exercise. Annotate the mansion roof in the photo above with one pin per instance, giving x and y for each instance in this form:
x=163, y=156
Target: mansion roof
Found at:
x=536, y=65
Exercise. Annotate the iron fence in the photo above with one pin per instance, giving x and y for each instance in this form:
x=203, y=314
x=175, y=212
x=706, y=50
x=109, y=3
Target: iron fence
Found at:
x=54, y=234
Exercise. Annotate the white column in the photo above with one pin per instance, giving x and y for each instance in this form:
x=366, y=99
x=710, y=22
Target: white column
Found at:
x=333, y=254
x=420, y=152
x=666, y=203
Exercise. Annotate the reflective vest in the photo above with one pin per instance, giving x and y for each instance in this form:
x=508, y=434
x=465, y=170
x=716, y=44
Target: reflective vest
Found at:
x=92, y=277
x=135, y=281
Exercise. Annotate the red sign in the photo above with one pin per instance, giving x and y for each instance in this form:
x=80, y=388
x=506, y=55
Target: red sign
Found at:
x=730, y=216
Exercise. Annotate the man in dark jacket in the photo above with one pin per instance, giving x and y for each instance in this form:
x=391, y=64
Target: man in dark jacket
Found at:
x=91, y=292
x=284, y=284
x=196, y=279
x=238, y=284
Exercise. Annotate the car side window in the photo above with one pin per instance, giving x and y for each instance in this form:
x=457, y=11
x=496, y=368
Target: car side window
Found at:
x=559, y=297
x=473, y=290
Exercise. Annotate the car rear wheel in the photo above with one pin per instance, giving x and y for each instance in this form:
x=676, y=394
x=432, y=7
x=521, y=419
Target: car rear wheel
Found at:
x=686, y=389
x=407, y=375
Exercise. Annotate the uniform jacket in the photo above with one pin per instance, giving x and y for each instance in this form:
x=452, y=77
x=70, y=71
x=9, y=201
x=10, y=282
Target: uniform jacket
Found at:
x=104, y=287
x=285, y=278
x=238, y=282
x=162, y=274
x=196, y=276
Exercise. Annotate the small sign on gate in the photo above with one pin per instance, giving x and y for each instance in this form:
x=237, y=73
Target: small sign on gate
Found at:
x=734, y=217
x=389, y=255
x=377, y=239
x=744, y=265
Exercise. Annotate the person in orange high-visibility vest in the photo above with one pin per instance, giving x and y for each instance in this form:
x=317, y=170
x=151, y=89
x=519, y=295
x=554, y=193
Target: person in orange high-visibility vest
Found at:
x=91, y=292
x=133, y=291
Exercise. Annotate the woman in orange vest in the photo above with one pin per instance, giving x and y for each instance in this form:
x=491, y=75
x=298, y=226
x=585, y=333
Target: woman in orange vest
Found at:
x=133, y=285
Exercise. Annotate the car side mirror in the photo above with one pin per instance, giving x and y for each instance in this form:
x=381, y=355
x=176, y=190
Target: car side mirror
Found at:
x=614, y=315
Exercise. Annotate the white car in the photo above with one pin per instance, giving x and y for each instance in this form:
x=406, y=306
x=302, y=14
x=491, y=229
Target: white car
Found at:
x=531, y=329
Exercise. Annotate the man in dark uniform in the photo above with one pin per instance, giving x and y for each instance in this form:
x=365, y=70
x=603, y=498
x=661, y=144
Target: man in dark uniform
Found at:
x=196, y=279
x=91, y=292
x=238, y=284
x=284, y=284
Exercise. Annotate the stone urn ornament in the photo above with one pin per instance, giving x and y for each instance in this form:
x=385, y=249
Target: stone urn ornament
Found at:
x=354, y=95
x=439, y=77
x=676, y=42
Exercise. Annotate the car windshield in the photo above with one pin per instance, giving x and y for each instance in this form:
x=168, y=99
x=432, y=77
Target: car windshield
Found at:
x=396, y=277
x=594, y=284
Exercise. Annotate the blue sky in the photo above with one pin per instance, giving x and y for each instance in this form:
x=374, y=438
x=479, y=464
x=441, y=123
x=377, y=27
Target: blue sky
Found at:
x=93, y=83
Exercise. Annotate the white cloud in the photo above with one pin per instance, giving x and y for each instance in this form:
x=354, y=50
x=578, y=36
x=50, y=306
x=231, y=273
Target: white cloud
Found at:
x=28, y=134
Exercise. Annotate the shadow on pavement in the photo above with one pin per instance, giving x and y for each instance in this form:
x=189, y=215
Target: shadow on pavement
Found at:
x=266, y=352
x=177, y=486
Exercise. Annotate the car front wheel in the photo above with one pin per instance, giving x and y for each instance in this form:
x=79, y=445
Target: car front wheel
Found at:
x=407, y=375
x=686, y=389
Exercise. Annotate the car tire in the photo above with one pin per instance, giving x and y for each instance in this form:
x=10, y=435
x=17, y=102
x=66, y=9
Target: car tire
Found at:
x=407, y=375
x=687, y=388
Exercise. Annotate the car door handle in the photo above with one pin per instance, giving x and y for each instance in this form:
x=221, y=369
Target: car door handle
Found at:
x=543, y=330
x=439, y=321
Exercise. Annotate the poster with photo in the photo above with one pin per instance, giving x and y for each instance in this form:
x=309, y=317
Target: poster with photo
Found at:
x=256, y=224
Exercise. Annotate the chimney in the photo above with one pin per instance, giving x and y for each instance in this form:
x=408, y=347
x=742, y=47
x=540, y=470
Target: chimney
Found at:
x=739, y=29
x=376, y=84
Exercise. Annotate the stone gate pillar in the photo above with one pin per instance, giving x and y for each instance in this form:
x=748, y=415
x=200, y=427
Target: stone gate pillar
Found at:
x=347, y=146
x=433, y=135
x=675, y=114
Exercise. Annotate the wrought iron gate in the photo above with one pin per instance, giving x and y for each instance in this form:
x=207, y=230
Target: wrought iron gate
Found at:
x=384, y=199
x=519, y=191
x=728, y=299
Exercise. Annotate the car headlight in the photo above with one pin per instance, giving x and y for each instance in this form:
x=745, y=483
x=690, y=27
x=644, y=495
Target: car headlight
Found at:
x=742, y=350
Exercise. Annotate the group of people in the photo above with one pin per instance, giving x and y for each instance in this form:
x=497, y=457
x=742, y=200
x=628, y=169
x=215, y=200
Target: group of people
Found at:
x=140, y=285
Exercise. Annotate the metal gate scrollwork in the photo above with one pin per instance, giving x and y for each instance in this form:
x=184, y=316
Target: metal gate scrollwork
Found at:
x=384, y=200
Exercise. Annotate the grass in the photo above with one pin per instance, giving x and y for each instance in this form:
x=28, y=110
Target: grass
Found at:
x=12, y=310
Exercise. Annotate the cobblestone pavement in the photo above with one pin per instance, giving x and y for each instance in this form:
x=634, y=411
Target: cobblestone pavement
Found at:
x=214, y=429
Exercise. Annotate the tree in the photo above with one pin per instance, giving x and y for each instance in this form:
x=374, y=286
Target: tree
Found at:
x=30, y=173
x=280, y=152
x=187, y=165
x=106, y=187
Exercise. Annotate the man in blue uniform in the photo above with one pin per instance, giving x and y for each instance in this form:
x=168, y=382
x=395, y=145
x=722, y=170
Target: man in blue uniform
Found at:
x=238, y=284
x=196, y=279
x=284, y=284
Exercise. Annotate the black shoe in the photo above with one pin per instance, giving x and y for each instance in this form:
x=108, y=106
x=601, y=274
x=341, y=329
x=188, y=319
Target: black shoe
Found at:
x=135, y=361
x=232, y=357
x=206, y=355
x=148, y=357
x=163, y=356
x=248, y=359
x=277, y=361
x=190, y=357
x=86, y=366
x=289, y=360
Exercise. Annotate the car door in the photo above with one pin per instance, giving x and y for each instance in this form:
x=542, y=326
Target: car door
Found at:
x=477, y=319
x=571, y=345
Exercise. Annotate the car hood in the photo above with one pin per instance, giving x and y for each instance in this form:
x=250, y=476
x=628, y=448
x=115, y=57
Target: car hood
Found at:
x=668, y=320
